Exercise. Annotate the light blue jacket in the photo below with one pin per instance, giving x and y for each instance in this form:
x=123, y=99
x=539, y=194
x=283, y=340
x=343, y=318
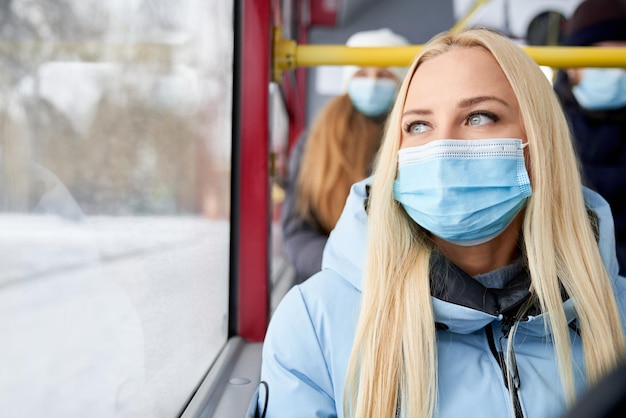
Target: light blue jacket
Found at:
x=309, y=339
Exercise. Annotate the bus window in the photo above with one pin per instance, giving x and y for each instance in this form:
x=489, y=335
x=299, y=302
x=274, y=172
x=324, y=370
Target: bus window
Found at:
x=115, y=172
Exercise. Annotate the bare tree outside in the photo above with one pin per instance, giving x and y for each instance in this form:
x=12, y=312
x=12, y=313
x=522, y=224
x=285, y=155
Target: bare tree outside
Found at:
x=127, y=110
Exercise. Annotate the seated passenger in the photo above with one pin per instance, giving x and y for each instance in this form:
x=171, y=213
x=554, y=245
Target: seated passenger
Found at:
x=337, y=151
x=481, y=281
x=594, y=100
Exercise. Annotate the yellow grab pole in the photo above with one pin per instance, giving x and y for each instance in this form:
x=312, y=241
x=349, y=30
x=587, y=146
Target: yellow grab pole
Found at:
x=553, y=56
x=287, y=55
x=284, y=54
x=462, y=22
x=396, y=56
x=577, y=56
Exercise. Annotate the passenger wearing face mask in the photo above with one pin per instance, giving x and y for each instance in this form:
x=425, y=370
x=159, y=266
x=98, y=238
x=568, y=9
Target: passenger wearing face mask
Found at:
x=475, y=278
x=337, y=151
x=594, y=101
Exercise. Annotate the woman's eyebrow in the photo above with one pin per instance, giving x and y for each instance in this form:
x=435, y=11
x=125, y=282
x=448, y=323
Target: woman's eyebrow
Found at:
x=465, y=103
x=479, y=99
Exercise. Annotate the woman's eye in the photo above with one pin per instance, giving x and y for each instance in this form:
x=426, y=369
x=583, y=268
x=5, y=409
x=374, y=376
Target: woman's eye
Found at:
x=416, y=128
x=384, y=73
x=478, y=119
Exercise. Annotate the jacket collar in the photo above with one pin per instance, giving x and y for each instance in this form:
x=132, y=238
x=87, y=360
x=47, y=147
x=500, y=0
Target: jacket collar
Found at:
x=345, y=254
x=463, y=305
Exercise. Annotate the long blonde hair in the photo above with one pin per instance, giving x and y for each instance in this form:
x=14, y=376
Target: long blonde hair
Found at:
x=339, y=151
x=394, y=357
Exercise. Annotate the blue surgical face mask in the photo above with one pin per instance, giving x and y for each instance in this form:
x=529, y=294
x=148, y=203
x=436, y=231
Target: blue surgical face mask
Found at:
x=463, y=191
x=601, y=89
x=372, y=96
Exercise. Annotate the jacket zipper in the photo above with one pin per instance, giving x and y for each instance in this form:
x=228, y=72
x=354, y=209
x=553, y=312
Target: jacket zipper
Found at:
x=499, y=355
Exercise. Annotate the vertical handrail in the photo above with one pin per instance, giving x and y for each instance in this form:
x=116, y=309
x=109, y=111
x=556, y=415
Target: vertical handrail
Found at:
x=462, y=22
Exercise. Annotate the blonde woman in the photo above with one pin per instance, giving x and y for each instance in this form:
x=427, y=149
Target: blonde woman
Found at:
x=482, y=280
x=337, y=151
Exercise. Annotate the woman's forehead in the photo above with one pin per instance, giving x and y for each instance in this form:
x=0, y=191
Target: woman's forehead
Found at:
x=461, y=71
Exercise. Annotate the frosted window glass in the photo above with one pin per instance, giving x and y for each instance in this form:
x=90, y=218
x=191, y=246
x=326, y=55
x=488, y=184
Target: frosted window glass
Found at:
x=115, y=156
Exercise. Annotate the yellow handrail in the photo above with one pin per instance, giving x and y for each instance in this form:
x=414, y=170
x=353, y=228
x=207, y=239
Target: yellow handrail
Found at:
x=288, y=55
x=462, y=22
x=553, y=56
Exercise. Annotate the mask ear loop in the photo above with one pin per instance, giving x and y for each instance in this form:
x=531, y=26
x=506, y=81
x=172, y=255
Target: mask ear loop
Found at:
x=526, y=159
